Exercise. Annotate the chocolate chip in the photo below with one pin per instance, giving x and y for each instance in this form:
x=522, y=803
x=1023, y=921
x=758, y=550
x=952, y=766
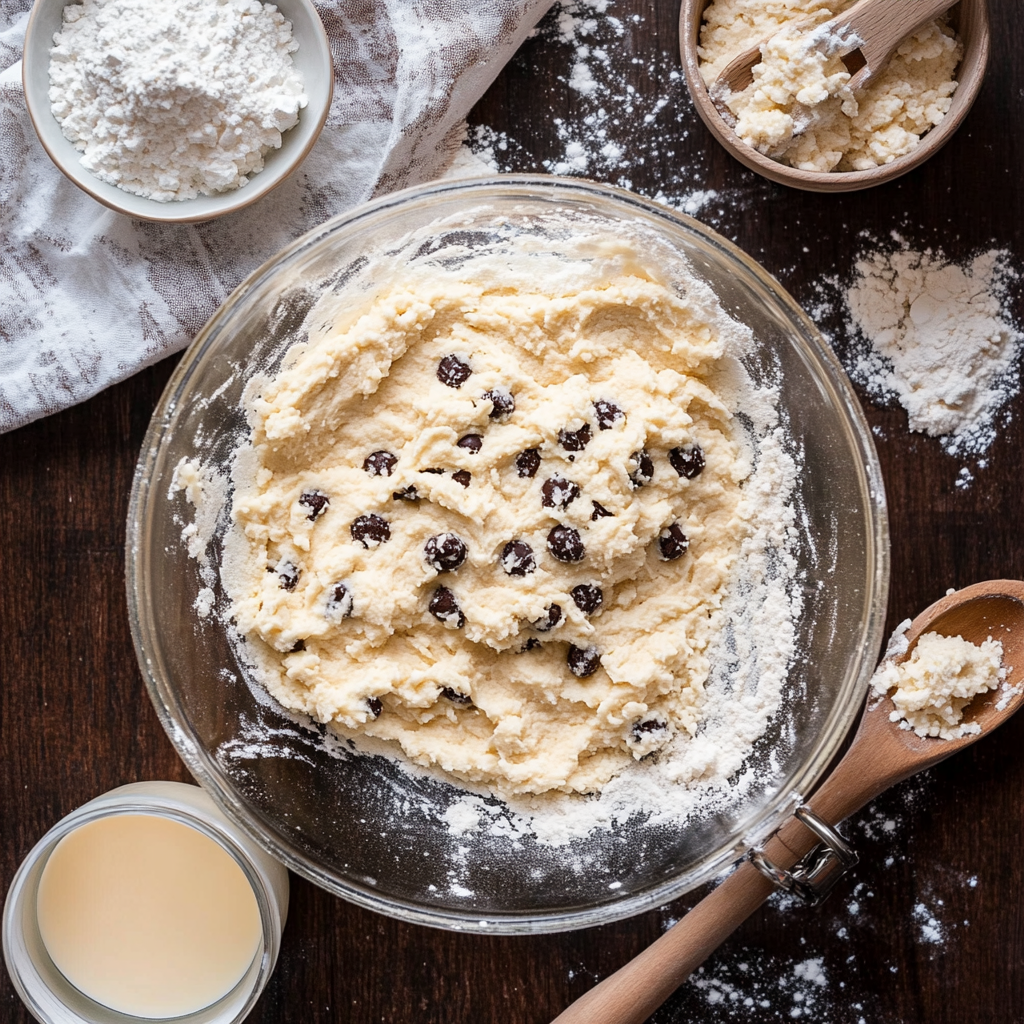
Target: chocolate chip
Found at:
x=462, y=476
x=444, y=607
x=644, y=472
x=600, y=512
x=406, y=494
x=316, y=502
x=647, y=725
x=608, y=414
x=299, y=645
x=673, y=543
x=588, y=598
x=531, y=645
x=445, y=552
x=340, y=603
x=558, y=492
x=687, y=461
x=503, y=404
x=471, y=442
x=455, y=697
x=575, y=440
x=375, y=706
x=528, y=462
x=583, y=661
x=370, y=530
x=453, y=371
x=552, y=617
x=517, y=558
x=565, y=544
x=380, y=463
x=435, y=471
x=287, y=575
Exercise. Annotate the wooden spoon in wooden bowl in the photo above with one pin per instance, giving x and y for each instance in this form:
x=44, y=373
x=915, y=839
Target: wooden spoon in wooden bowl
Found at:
x=871, y=29
x=881, y=755
x=970, y=20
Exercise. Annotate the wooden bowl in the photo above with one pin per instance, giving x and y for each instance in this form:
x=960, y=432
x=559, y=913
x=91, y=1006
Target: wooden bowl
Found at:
x=970, y=20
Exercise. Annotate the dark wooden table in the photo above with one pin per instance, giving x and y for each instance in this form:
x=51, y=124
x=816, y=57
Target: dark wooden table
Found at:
x=76, y=721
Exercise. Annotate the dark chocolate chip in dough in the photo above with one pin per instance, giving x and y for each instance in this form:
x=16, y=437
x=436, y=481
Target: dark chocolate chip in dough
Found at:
x=608, y=414
x=558, y=492
x=687, y=461
x=299, y=645
x=575, y=440
x=287, y=575
x=453, y=371
x=588, y=597
x=471, y=442
x=565, y=544
x=445, y=552
x=406, y=494
x=503, y=403
x=531, y=645
x=462, y=476
x=380, y=463
x=528, y=462
x=455, y=697
x=517, y=558
x=646, y=725
x=444, y=607
x=643, y=472
x=370, y=530
x=375, y=706
x=340, y=603
x=552, y=617
x=583, y=661
x=316, y=502
x=435, y=471
x=600, y=512
x=673, y=543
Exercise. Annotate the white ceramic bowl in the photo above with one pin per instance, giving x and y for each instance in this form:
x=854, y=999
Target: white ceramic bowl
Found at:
x=312, y=58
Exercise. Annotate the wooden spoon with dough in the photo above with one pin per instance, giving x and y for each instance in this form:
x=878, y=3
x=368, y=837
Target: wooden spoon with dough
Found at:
x=881, y=755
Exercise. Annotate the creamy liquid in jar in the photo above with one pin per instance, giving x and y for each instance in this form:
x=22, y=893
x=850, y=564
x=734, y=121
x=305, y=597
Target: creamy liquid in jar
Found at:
x=147, y=915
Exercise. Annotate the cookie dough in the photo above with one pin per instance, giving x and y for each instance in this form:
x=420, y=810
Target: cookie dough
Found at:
x=493, y=520
x=941, y=677
x=799, y=110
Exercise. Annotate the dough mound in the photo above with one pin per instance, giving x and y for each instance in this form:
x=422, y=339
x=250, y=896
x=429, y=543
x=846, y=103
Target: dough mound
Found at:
x=492, y=518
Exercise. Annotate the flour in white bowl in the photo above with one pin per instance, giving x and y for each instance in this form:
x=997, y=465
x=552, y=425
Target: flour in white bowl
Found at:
x=171, y=99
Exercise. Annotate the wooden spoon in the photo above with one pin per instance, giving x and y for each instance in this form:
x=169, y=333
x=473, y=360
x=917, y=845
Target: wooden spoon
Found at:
x=881, y=755
x=870, y=32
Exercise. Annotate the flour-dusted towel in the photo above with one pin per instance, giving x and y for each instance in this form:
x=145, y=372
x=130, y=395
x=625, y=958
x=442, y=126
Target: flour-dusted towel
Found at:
x=88, y=297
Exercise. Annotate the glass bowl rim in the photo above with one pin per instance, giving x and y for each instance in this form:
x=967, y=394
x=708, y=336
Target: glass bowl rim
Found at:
x=850, y=698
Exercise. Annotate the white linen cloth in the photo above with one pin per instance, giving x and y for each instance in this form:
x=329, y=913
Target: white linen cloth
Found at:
x=88, y=296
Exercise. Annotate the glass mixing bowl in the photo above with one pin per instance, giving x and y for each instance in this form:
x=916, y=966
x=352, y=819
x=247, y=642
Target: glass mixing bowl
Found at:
x=360, y=825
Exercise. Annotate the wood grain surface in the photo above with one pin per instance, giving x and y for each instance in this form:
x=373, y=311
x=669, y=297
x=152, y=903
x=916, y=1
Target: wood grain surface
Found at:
x=75, y=719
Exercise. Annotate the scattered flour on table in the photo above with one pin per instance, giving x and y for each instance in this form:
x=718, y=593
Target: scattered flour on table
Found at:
x=616, y=127
x=170, y=99
x=938, y=337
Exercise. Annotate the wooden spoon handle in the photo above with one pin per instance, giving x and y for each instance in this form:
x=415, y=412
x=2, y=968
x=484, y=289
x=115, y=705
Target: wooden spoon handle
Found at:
x=635, y=991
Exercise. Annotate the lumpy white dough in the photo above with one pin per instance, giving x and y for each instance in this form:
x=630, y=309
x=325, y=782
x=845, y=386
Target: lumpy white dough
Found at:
x=799, y=110
x=470, y=699
x=943, y=674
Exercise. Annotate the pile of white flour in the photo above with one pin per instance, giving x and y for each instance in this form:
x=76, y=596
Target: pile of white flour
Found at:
x=170, y=99
x=936, y=337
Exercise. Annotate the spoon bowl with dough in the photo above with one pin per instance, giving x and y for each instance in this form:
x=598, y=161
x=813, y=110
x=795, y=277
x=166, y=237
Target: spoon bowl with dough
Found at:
x=881, y=755
x=873, y=22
